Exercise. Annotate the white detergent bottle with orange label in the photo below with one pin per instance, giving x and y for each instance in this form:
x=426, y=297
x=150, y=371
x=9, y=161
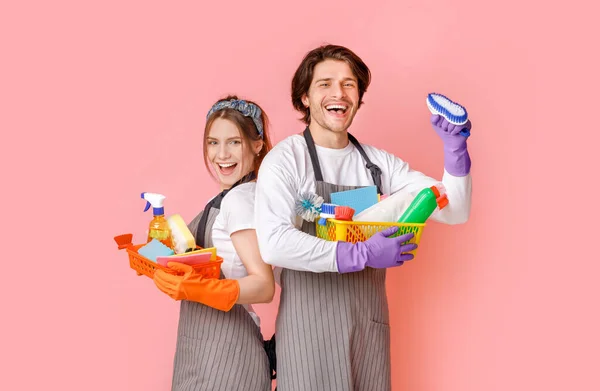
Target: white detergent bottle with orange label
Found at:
x=396, y=205
x=159, y=227
x=387, y=210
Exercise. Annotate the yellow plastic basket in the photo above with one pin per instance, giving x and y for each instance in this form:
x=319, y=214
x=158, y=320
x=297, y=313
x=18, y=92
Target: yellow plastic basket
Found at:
x=359, y=231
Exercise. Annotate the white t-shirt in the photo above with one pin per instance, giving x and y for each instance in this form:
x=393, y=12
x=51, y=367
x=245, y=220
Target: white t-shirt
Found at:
x=237, y=213
x=287, y=171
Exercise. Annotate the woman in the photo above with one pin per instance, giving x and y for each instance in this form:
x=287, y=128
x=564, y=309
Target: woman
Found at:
x=219, y=344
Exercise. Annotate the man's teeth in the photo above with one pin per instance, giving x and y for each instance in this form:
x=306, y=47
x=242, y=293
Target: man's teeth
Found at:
x=336, y=107
x=226, y=165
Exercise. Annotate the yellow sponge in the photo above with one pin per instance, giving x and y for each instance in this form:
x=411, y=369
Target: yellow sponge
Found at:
x=182, y=237
x=211, y=250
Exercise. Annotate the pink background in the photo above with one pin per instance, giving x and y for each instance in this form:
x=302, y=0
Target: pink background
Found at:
x=101, y=102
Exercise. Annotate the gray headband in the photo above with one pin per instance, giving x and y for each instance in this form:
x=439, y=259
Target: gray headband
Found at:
x=247, y=110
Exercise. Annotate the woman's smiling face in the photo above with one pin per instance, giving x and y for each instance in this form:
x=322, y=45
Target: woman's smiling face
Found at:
x=231, y=157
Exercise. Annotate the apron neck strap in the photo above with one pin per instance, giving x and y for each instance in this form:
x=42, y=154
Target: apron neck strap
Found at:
x=216, y=203
x=312, y=151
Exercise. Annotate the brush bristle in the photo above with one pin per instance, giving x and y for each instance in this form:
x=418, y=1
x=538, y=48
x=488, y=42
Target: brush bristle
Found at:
x=124, y=240
x=328, y=209
x=344, y=213
x=308, y=206
x=451, y=111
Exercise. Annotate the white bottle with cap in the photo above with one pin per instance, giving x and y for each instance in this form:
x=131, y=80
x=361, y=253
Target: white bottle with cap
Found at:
x=387, y=210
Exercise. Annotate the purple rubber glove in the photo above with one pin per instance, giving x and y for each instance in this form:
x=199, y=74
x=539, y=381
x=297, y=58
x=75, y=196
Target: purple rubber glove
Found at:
x=378, y=252
x=456, y=157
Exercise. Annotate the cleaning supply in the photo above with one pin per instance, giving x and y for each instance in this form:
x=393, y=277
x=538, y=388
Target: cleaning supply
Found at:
x=358, y=199
x=211, y=250
x=124, y=240
x=451, y=122
x=191, y=258
x=159, y=227
x=424, y=205
x=453, y=112
x=308, y=206
x=154, y=249
x=388, y=210
x=220, y=294
x=327, y=212
x=344, y=213
x=180, y=234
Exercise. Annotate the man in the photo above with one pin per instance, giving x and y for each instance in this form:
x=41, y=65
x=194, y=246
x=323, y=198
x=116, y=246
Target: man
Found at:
x=333, y=323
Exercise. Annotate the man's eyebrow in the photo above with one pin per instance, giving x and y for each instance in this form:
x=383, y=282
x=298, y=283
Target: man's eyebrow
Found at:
x=329, y=79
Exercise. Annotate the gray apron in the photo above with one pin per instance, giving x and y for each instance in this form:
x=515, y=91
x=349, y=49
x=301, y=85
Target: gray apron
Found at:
x=217, y=350
x=333, y=329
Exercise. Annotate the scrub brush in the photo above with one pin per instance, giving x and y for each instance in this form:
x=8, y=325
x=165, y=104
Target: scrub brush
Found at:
x=308, y=206
x=327, y=212
x=344, y=213
x=124, y=241
x=451, y=111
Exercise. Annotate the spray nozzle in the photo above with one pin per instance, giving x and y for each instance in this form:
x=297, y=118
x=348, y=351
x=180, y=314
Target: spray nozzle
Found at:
x=156, y=201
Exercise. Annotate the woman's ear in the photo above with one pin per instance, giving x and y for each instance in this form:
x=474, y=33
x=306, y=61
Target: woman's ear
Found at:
x=258, y=146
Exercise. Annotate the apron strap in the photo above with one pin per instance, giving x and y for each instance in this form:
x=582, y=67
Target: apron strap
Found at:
x=312, y=151
x=216, y=203
x=374, y=168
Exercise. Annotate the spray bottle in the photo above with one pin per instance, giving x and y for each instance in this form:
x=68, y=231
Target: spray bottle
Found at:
x=423, y=206
x=159, y=227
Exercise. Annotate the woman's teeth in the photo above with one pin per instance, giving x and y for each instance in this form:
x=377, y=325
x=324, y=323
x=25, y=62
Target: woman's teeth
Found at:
x=226, y=168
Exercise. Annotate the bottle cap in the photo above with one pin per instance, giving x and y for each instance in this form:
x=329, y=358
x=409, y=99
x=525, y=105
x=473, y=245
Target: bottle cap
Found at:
x=442, y=201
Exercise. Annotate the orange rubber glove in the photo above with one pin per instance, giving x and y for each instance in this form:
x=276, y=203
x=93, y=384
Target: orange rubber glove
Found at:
x=218, y=294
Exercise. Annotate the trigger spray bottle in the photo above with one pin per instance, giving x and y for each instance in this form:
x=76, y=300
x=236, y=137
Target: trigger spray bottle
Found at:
x=159, y=227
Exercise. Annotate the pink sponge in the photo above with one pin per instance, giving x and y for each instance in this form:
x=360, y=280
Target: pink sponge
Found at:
x=192, y=259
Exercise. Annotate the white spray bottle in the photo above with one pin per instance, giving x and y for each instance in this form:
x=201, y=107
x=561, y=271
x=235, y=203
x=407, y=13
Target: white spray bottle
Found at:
x=159, y=227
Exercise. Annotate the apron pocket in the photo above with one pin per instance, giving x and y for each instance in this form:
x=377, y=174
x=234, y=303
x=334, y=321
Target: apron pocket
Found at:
x=198, y=353
x=378, y=356
x=378, y=327
x=194, y=364
x=379, y=336
x=378, y=322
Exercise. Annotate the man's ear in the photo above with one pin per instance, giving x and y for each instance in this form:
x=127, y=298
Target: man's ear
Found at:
x=305, y=100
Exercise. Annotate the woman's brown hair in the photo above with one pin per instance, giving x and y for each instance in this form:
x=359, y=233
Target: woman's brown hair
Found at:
x=304, y=74
x=246, y=126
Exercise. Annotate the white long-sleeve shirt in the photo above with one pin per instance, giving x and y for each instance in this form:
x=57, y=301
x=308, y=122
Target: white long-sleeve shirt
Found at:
x=287, y=171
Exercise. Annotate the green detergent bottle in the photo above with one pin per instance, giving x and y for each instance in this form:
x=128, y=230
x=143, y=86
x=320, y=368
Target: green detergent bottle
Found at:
x=423, y=206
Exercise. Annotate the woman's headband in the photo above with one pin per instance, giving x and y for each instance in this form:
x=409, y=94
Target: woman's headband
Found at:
x=247, y=110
